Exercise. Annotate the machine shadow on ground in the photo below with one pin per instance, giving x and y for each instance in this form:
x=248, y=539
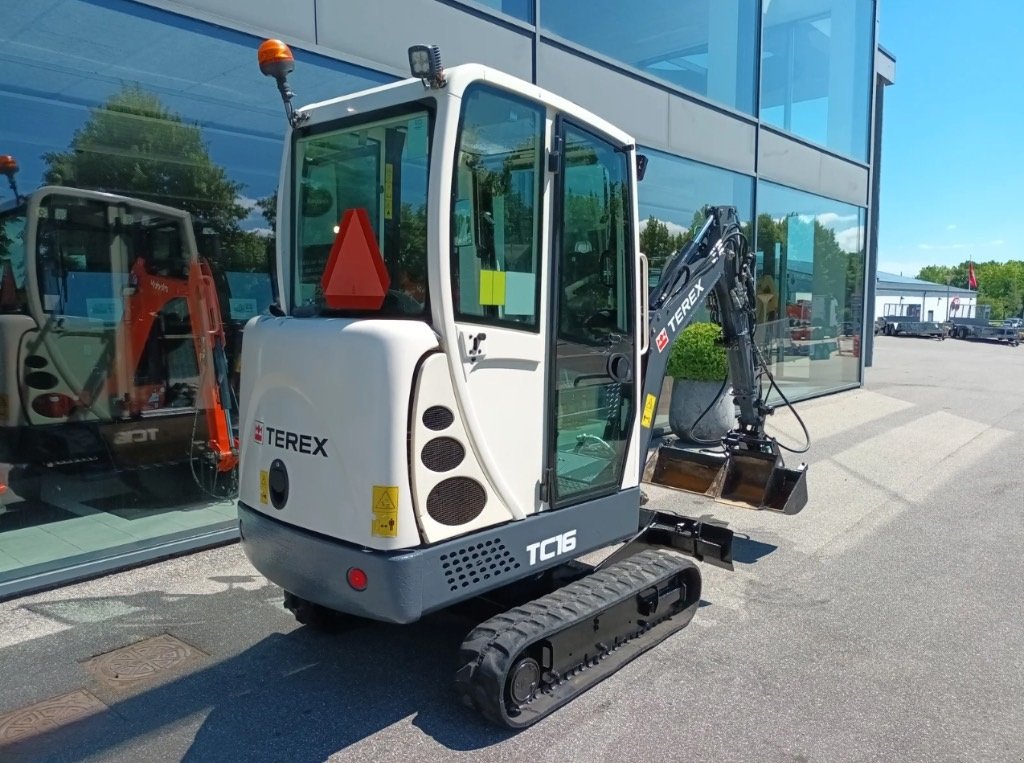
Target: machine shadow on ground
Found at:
x=300, y=695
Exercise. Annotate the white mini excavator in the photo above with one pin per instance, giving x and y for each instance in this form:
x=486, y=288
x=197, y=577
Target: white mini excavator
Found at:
x=453, y=398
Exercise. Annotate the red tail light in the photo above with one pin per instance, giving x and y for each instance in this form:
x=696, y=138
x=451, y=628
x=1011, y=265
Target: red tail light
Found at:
x=53, y=405
x=357, y=578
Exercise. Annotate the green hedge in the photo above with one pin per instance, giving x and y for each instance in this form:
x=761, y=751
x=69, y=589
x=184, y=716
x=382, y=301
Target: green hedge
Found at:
x=698, y=354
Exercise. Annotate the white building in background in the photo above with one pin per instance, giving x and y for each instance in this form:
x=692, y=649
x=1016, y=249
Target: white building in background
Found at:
x=923, y=300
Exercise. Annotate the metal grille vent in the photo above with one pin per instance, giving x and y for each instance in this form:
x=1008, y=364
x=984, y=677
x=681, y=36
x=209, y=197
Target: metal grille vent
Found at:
x=476, y=563
x=456, y=500
x=437, y=417
x=442, y=454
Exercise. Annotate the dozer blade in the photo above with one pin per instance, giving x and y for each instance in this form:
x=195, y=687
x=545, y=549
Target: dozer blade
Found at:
x=744, y=478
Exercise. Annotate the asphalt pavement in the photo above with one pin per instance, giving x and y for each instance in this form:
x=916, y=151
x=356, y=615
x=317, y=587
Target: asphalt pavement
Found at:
x=884, y=622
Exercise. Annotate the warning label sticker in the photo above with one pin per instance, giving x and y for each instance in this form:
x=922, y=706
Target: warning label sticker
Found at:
x=385, y=511
x=648, y=417
x=264, y=486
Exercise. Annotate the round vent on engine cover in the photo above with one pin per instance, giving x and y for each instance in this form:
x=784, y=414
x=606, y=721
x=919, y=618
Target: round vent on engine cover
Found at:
x=437, y=417
x=442, y=454
x=456, y=500
x=40, y=380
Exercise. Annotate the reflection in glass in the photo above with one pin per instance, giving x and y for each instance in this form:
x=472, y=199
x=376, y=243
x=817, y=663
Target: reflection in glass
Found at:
x=704, y=46
x=521, y=9
x=104, y=394
x=816, y=68
x=810, y=255
x=671, y=196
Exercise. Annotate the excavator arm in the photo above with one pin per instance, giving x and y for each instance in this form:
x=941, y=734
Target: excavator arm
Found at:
x=142, y=306
x=717, y=267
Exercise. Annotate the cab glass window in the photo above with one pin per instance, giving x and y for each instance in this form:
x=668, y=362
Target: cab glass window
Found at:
x=381, y=168
x=495, y=227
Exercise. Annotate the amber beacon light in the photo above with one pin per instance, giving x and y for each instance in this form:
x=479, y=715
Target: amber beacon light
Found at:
x=276, y=60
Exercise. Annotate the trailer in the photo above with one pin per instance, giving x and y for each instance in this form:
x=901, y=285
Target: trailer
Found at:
x=979, y=326
x=905, y=320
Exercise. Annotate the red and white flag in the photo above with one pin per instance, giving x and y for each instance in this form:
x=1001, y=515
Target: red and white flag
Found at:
x=972, y=280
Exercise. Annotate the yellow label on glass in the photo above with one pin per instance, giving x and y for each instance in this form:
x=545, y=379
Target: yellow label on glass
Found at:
x=389, y=194
x=492, y=287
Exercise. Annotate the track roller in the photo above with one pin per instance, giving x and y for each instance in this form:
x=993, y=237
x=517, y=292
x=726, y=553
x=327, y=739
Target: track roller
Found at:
x=521, y=665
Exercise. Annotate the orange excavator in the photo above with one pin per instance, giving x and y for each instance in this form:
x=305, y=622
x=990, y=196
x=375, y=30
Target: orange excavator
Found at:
x=112, y=344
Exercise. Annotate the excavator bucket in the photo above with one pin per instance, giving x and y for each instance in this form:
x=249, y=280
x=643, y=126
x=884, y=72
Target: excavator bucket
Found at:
x=746, y=479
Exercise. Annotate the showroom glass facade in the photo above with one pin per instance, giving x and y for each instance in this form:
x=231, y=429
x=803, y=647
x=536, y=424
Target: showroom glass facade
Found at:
x=107, y=426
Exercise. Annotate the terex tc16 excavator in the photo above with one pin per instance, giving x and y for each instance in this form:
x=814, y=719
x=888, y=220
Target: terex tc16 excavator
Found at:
x=455, y=394
x=111, y=341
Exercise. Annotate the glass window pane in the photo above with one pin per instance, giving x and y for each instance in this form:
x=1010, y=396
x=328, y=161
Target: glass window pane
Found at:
x=521, y=9
x=496, y=213
x=379, y=167
x=103, y=422
x=593, y=410
x=704, y=46
x=670, y=197
x=816, y=69
x=810, y=266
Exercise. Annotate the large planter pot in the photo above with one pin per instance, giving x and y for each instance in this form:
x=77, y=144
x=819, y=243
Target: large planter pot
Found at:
x=689, y=400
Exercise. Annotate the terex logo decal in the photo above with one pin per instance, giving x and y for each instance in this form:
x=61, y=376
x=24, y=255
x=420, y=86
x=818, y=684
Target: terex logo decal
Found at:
x=688, y=304
x=311, y=445
x=549, y=548
x=661, y=340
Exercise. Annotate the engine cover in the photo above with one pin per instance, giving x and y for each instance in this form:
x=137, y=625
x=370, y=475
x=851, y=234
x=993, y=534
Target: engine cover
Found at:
x=325, y=407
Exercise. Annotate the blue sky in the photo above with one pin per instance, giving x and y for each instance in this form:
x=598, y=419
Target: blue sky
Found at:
x=953, y=140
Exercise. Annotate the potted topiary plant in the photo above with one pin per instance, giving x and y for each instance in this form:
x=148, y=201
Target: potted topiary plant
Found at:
x=699, y=365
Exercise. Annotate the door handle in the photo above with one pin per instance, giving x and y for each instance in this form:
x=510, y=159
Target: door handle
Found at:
x=475, y=346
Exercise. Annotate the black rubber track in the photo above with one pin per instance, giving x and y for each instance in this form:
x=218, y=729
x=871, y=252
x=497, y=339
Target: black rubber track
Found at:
x=491, y=649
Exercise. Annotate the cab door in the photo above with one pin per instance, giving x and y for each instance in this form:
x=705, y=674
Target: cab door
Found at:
x=592, y=380
x=497, y=279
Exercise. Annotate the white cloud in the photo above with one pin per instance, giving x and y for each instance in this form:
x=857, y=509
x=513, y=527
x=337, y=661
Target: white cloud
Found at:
x=674, y=228
x=246, y=203
x=831, y=219
x=849, y=239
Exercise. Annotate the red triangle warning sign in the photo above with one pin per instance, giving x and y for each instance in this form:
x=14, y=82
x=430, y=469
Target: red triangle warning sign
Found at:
x=355, y=277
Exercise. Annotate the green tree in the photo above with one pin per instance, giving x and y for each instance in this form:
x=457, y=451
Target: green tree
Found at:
x=135, y=146
x=1000, y=284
